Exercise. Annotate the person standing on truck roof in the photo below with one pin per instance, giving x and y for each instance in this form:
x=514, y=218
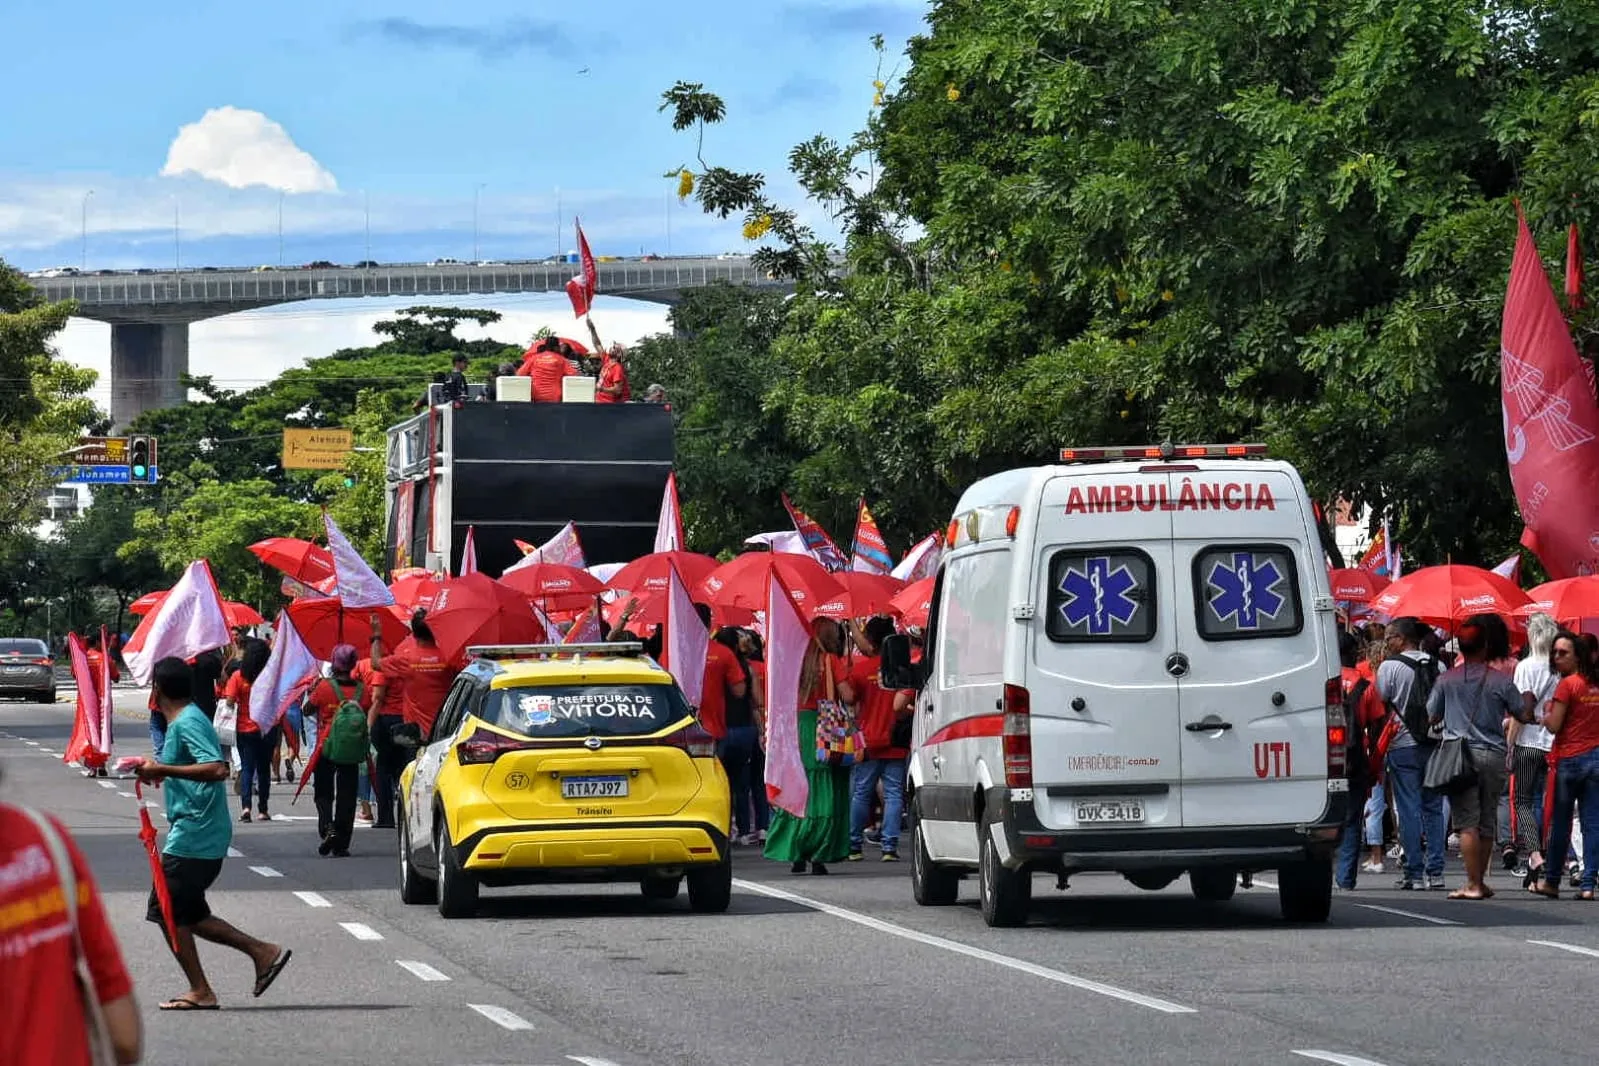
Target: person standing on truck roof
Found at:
x=613, y=386
x=547, y=367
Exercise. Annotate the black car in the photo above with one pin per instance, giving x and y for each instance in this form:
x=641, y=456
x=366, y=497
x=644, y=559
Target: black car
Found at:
x=320, y=264
x=27, y=669
x=367, y=264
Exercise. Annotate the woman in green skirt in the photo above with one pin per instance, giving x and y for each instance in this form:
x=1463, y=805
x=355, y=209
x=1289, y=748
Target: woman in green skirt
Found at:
x=822, y=836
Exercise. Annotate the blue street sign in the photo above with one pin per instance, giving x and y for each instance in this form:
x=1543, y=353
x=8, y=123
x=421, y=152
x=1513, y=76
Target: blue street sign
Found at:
x=97, y=475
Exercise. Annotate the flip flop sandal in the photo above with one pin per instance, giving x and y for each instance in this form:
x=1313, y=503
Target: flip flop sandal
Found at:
x=264, y=981
x=1460, y=893
x=181, y=1003
x=1546, y=893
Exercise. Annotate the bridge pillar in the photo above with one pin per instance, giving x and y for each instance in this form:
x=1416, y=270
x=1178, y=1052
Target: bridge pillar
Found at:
x=147, y=361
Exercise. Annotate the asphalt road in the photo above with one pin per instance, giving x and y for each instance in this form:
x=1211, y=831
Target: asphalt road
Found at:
x=814, y=971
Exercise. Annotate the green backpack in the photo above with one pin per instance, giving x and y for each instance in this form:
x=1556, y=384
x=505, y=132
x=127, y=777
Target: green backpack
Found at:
x=347, y=735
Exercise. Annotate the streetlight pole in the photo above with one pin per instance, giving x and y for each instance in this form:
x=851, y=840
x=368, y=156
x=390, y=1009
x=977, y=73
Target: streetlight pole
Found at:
x=669, y=224
x=84, y=264
x=366, y=199
x=280, y=228
x=177, y=235
x=477, y=195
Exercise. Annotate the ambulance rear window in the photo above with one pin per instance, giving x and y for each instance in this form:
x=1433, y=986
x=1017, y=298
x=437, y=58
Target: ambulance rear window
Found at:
x=1107, y=594
x=1244, y=591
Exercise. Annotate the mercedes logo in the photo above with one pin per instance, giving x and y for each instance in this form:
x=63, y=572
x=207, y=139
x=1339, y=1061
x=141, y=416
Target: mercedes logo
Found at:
x=1177, y=664
x=593, y=743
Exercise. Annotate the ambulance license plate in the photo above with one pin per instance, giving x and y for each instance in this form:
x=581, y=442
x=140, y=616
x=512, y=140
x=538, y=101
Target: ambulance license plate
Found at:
x=1118, y=810
x=593, y=787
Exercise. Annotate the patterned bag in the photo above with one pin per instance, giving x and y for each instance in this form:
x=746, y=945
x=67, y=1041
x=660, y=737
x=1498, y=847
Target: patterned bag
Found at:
x=838, y=738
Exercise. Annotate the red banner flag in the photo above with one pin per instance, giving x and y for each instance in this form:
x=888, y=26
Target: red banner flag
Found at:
x=1551, y=421
x=579, y=298
x=1574, y=268
x=591, y=273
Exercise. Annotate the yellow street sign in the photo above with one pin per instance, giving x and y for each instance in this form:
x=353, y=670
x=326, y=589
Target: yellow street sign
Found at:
x=316, y=449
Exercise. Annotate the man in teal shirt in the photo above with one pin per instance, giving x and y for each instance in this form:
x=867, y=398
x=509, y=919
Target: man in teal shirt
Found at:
x=196, y=773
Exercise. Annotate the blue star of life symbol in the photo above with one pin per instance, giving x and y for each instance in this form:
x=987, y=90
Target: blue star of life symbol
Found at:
x=1245, y=591
x=1099, y=596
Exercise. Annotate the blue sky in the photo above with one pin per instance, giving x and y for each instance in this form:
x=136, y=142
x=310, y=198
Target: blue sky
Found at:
x=342, y=111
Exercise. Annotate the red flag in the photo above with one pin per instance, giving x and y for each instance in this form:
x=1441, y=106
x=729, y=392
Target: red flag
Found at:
x=1551, y=421
x=922, y=560
x=190, y=620
x=1574, y=268
x=469, y=553
x=591, y=273
x=870, y=552
x=579, y=298
x=291, y=669
x=86, y=746
x=669, y=526
x=107, y=711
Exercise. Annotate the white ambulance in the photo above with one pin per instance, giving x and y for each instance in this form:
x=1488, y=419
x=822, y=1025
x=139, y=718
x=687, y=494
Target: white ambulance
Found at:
x=1131, y=666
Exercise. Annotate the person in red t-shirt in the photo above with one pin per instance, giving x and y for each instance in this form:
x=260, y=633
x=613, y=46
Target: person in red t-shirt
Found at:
x=546, y=366
x=335, y=784
x=423, y=672
x=725, y=679
x=877, y=710
x=255, y=750
x=612, y=386
x=41, y=1012
x=387, y=714
x=1573, y=717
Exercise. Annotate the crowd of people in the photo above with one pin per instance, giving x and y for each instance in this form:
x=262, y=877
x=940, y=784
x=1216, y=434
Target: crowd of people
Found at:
x=1474, y=746
x=547, y=362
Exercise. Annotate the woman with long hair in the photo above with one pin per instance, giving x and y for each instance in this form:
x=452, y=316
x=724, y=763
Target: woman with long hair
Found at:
x=1529, y=759
x=1573, y=718
x=822, y=835
x=255, y=748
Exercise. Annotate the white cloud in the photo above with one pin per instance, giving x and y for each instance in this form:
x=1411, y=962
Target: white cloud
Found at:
x=241, y=148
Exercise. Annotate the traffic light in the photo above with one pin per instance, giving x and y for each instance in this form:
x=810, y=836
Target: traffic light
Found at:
x=141, y=460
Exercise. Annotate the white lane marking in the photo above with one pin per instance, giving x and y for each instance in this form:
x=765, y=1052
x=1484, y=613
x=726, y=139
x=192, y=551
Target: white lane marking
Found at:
x=422, y=970
x=235, y=853
x=501, y=1017
x=1573, y=948
x=106, y=784
x=584, y=1060
x=129, y=795
x=1058, y=976
x=361, y=931
x=265, y=871
x=1410, y=914
x=1337, y=1058
x=313, y=899
x=294, y=817
x=31, y=743
x=46, y=751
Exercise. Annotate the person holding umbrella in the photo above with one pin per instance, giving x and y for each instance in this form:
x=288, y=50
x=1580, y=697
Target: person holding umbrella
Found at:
x=192, y=765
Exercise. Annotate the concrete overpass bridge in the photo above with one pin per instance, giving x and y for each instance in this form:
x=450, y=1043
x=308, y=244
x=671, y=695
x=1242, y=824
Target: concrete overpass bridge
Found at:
x=149, y=313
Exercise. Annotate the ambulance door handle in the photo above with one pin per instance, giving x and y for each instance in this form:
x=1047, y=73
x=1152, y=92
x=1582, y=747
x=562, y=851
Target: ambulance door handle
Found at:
x=1210, y=724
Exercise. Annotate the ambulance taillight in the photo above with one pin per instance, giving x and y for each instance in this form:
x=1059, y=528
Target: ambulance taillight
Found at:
x=1337, y=730
x=1017, y=738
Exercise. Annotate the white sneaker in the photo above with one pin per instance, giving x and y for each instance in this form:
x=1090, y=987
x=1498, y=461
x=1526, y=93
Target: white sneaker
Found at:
x=1371, y=867
x=1395, y=852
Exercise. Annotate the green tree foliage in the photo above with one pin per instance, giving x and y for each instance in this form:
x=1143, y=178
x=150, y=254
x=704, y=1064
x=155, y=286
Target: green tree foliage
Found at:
x=733, y=455
x=42, y=404
x=99, y=550
x=1287, y=220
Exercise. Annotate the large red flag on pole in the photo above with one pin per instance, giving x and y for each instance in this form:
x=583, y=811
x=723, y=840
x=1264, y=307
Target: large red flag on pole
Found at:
x=189, y=620
x=787, y=641
x=1574, y=268
x=1551, y=421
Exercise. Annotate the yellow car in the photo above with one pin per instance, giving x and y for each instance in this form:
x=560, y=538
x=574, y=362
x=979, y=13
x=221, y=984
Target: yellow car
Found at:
x=564, y=763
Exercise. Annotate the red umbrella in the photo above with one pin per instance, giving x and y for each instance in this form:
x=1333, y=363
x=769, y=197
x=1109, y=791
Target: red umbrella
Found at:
x=1356, y=586
x=325, y=622
x=1567, y=600
x=743, y=582
x=865, y=595
x=554, y=586
x=413, y=588
x=303, y=560
x=1444, y=595
x=158, y=874
x=241, y=614
x=648, y=573
x=476, y=609
x=914, y=602
x=148, y=602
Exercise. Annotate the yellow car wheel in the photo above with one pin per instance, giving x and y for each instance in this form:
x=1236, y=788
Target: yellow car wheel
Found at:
x=710, y=888
x=457, y=888
x=415, y=889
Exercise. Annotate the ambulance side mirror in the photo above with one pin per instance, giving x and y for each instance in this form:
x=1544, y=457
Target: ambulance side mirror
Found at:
x=898, y=671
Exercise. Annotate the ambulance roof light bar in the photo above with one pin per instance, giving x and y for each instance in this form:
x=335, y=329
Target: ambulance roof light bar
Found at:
x=1167, y=451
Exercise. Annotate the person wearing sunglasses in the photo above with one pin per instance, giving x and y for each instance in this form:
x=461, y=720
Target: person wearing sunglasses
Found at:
x=1573, y=718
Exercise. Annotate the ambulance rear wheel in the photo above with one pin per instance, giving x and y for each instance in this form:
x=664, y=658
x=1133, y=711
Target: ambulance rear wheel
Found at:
x=931, y=884
x=1304, y=889
x=1003, y=895
x=1213, y=884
